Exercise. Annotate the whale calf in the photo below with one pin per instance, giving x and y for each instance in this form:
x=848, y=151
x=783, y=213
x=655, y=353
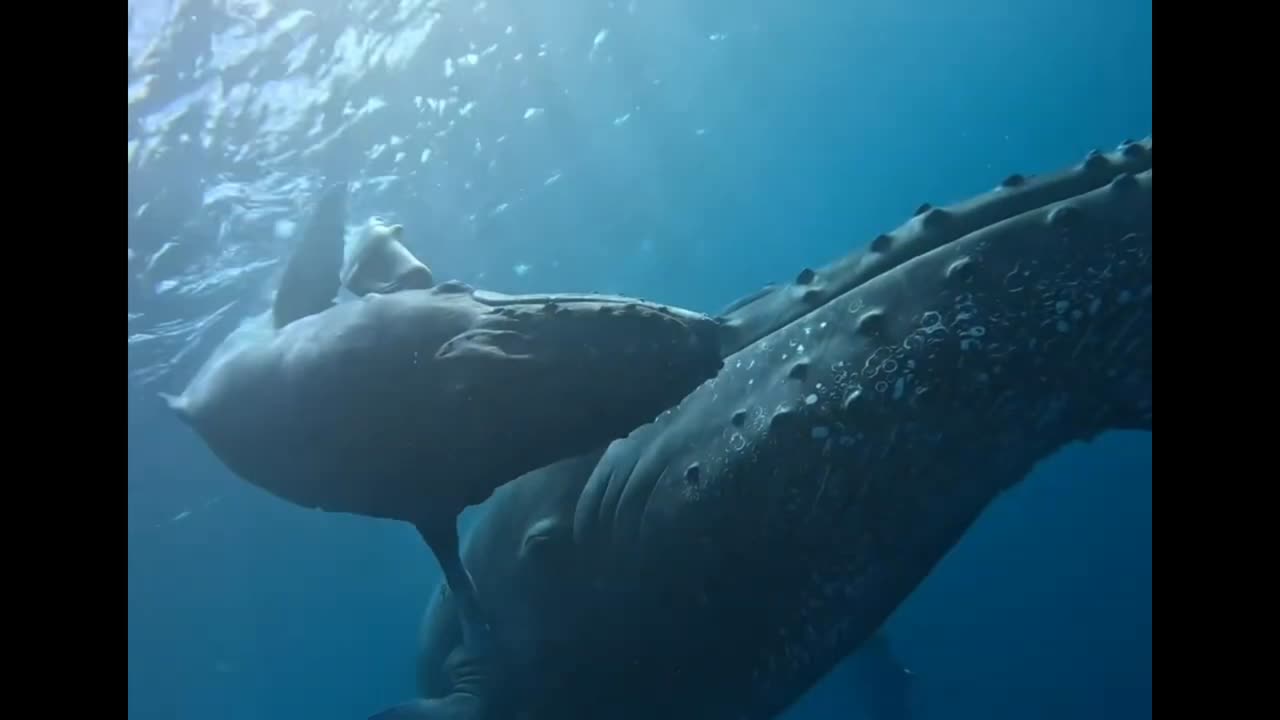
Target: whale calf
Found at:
x=716, y=563
x=413, y=404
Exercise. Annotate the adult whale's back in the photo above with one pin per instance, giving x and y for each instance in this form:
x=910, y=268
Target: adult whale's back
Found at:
x=740, y=546
x=841, y=457
x=773, y=306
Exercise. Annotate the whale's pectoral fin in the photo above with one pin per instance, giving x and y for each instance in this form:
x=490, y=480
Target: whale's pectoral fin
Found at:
x=311, y=279
x=472, y=666
x=442, y=538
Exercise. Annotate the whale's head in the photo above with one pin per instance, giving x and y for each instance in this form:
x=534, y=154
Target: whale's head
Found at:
x=381, y=263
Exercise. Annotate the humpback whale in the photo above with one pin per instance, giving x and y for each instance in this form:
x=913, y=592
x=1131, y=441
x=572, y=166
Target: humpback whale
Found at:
x=537, y=590
x=714, y=564
x=416, y=403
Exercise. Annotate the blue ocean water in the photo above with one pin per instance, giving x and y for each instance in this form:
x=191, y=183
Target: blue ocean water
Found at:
x=674, y=151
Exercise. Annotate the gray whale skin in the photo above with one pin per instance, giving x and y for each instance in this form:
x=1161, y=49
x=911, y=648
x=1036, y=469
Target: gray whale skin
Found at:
x=414, y=404
x=715, y=564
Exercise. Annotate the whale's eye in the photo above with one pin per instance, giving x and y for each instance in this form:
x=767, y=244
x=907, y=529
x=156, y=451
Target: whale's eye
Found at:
x=544, y=537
